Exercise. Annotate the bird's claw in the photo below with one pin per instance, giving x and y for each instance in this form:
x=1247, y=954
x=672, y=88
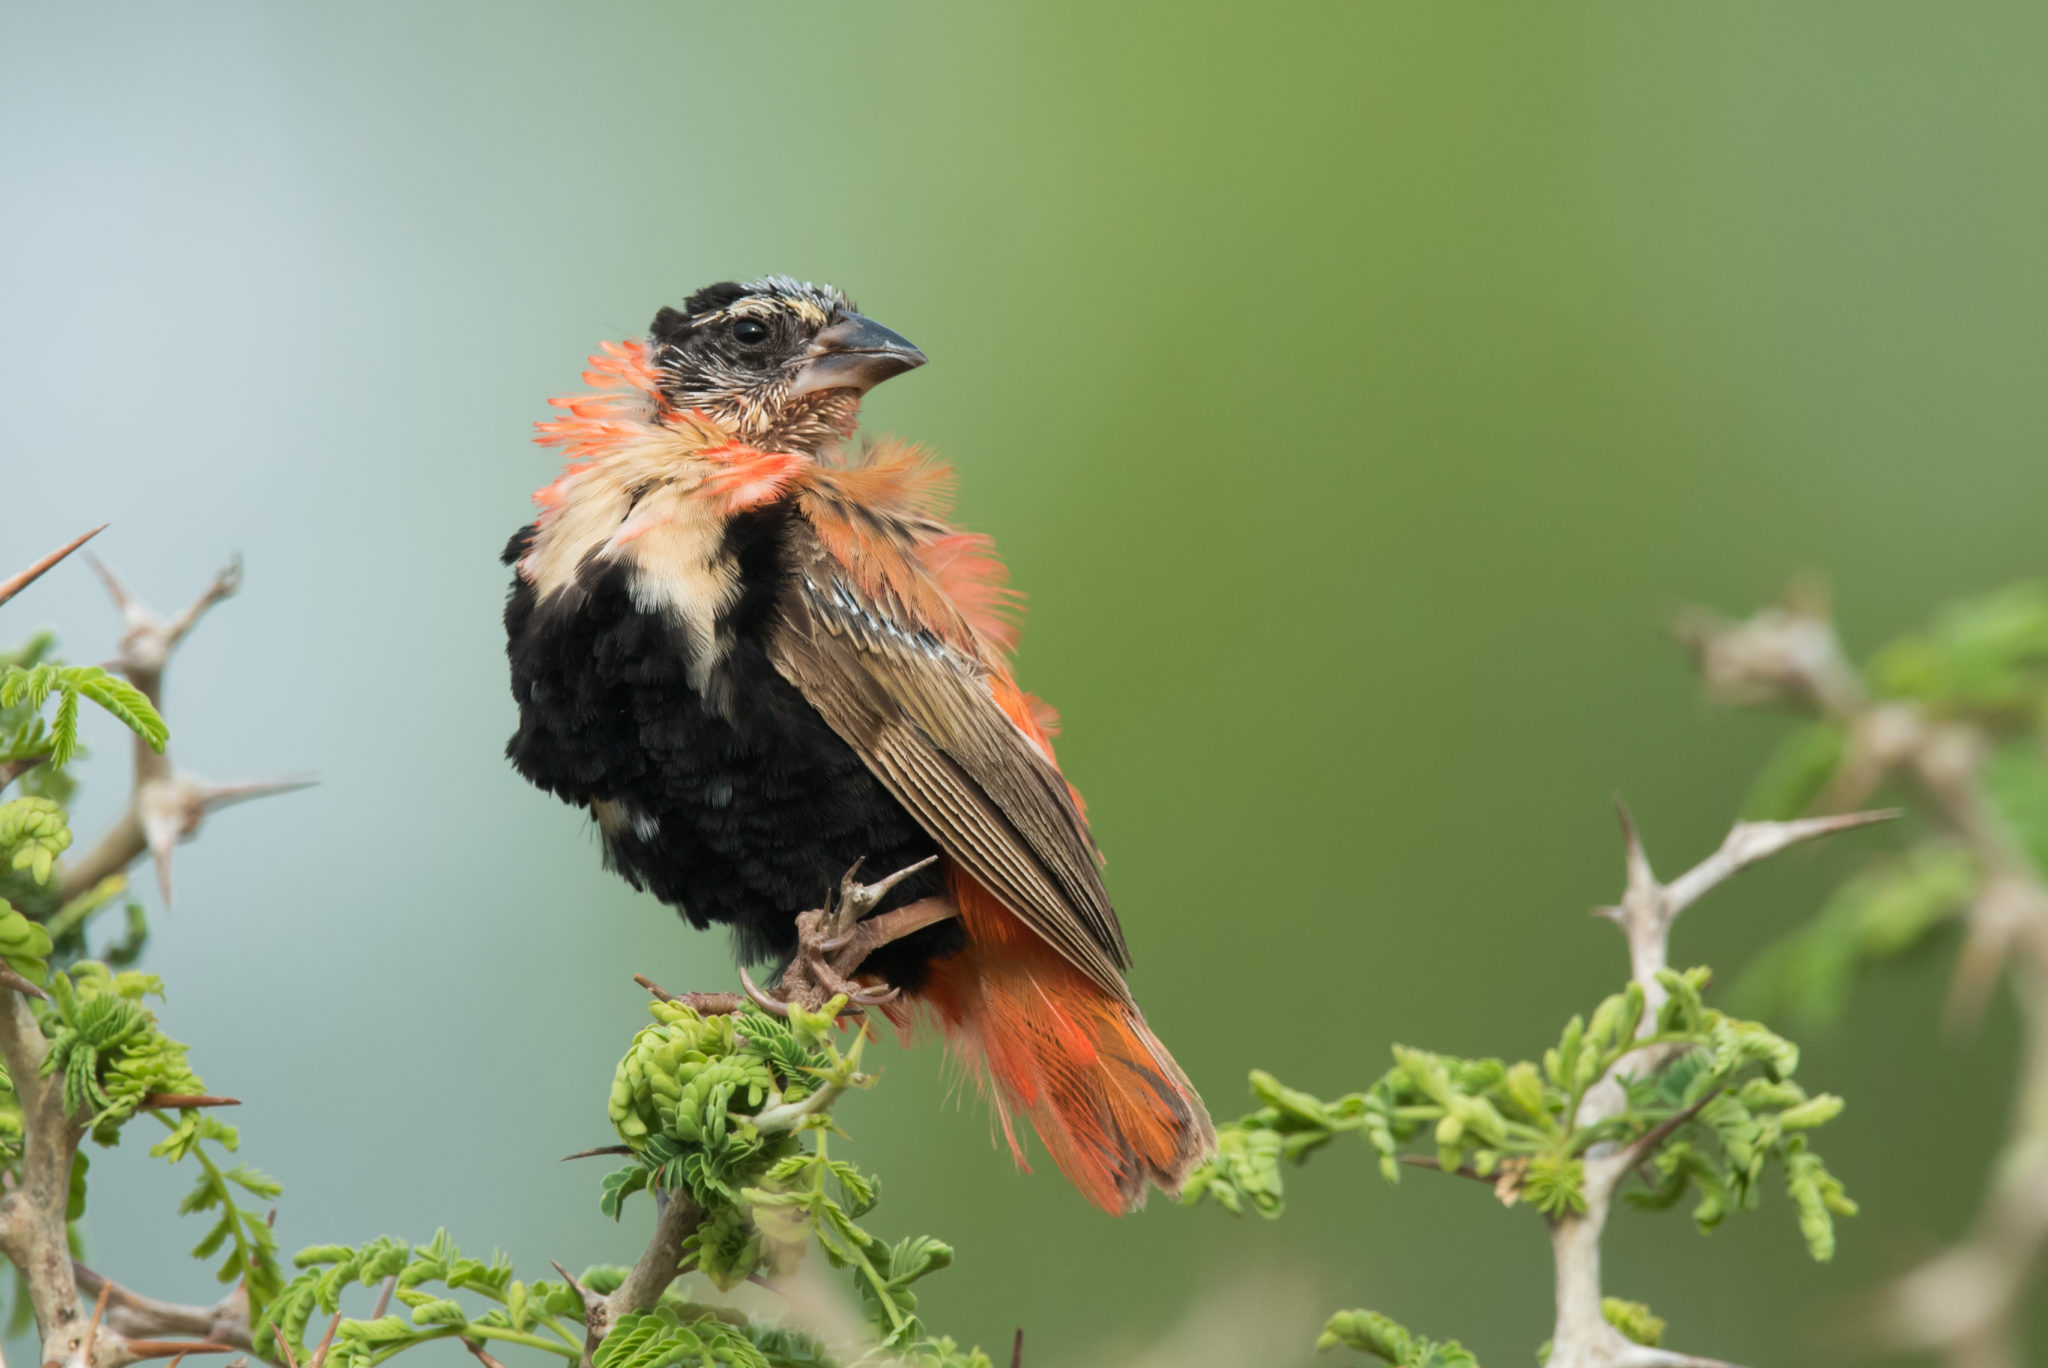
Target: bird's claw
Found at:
x=771, y=1005
x=832, y=943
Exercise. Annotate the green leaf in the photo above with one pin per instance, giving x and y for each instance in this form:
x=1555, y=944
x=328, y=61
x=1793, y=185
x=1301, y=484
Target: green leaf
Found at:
x=1635, y=1320
x=127, y=703
x=1375, y=1334
x=1797, y=772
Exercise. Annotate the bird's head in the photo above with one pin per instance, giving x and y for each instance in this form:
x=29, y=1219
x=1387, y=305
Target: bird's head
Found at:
x=783, y=364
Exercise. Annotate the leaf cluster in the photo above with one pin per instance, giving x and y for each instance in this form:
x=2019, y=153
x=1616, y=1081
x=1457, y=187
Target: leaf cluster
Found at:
x=34, y=830
x=1728, y=1098
x=541, y=1314
x=732, y=1109
x=108, y=1046
x=243, y=1231
x=30, y=687
x=1372, y=1333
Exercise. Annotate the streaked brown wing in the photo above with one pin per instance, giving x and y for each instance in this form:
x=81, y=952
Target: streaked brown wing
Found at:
x=920, y=713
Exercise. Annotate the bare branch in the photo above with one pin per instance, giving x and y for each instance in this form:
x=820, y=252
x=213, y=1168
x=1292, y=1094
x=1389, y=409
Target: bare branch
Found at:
x=704, y=1004
x=147, y=638
x=1750, y=842
x=326, y=1342
x=1644, y=1145
x=1643, y=1356
x=14, y=584
x=14, y=769
x=166, y=806
x=483, y=1355
x=179, y=1101
x=1424, y=1161
x=10, y=979
x=135, y=1316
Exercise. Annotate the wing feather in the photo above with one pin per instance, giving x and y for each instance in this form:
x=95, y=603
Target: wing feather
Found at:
x=920, y=711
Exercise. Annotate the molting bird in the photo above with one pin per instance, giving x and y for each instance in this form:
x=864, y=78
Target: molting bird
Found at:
x=761, y=660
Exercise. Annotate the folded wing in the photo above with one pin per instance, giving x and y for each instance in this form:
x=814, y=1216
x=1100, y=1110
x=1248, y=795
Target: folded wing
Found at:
x=921, y=710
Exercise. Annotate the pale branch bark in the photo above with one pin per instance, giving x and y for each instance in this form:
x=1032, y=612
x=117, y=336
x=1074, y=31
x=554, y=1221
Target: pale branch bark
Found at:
x=1964, y=1304
x=165, y=806
x=139, y=1317
x=32, y=1226
x=1582, y=1338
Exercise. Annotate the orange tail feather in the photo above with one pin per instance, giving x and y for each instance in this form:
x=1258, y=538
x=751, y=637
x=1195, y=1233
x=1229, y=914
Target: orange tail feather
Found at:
x=1114, y=1110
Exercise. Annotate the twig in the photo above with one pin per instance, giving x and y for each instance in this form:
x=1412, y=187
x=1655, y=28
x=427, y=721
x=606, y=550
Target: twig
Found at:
x=131, y=1314
x=1964, y=1305
x=171, y=1101
x=1424, y=1161
x=14, y=769
x=10, y=979
x=165, y=806
x=16, y=583
x=1646, y=1144
x=483, y=1355
x=705, y=1004
x=92, y=1327
x=594, y=1153
x=1017, y=1349
x=326, y=1342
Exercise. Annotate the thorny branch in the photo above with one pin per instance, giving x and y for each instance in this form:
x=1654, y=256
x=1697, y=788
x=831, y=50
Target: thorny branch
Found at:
x=1965, y=1304
x=132, y=1314
x=164, y=806
x=1582, y=1337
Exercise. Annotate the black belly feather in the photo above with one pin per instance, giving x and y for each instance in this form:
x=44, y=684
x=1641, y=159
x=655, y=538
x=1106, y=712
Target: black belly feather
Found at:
x=743, y=814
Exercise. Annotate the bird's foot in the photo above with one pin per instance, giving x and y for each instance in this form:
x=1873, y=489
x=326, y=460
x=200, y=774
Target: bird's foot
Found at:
x=833, y=941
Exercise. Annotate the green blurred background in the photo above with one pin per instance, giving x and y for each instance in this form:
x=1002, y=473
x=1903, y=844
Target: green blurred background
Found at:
x=1353, y=388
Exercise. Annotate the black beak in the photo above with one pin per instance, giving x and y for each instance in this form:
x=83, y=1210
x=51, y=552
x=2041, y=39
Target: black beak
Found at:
x=855, y=353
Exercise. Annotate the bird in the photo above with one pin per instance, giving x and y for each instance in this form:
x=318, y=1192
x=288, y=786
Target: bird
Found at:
x=764, y=660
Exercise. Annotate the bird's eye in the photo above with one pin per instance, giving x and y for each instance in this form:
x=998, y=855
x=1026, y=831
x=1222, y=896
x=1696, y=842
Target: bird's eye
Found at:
x=749, y=332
